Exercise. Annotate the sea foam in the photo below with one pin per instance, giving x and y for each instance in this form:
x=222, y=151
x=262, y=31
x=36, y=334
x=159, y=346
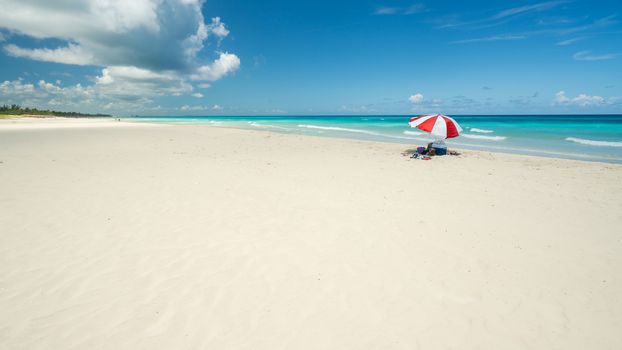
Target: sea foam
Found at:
x=336, y=128
x=481, y=131
x=482, y=137
x=415, y=133
x=358, y=131
x=257, y=125
x=595, y=142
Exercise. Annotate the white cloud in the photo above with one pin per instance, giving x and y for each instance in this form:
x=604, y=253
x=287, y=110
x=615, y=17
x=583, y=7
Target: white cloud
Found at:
x=121, y=16
x=197, y=95
x=204, y=85
x=187, y=108
x=415, y=8
x=143, y=46
x=561, y=98
x=45, y=94
x=384, y=10
x=598, y=23
x=68, y=19
x=454, y=20
x=132, y=83
x=131, y=72
x=100, y=95
x=409, y=10
x=586, y=100
x=419, y=103
x=582, y=100
x=218, y=28
x=614, y=100
x=527, y=8
x=491, y=38
x=343, y=108
x=588, y=56
x=416, y=98
x=16, y=87
x=568, y=42
x=224, y=65
x=70, y=54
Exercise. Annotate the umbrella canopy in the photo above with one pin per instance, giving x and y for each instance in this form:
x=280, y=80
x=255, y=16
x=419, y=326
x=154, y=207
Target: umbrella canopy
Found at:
x=438, y=125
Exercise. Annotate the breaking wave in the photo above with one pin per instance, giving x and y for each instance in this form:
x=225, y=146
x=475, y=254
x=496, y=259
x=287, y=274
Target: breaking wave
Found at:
x=482, y=137
x=257, y=125
x=358, y=131
x=595, y=142
x=481, y=131
x=336, y=128
x=414, y=133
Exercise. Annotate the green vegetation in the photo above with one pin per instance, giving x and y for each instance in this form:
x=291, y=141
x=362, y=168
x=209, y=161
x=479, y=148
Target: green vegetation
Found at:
x=6, y=110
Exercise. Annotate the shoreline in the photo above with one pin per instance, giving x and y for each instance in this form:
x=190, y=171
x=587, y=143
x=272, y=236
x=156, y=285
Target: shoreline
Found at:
x=54, y=122
x=39, y=123
x=460, y=147
x=560, y=147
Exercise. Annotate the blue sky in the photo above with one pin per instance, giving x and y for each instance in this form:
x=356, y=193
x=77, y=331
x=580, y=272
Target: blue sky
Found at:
x=187, y=57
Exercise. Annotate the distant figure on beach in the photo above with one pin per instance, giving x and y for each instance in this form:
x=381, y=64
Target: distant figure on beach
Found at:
x=436, y=148
x=439, y=147
x=430, y=151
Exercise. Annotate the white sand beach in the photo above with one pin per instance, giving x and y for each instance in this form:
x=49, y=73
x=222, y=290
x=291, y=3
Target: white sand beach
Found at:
x=117, y=235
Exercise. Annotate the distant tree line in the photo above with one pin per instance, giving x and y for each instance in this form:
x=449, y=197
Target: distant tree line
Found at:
x=19, y=110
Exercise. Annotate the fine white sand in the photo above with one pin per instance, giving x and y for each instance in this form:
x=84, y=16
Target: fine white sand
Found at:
x=127, y=236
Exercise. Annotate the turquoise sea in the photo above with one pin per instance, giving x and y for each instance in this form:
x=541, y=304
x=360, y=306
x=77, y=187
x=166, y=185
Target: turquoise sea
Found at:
x=586, y=137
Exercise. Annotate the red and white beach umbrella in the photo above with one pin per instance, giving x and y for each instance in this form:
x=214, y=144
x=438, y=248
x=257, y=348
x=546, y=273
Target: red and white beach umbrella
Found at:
x=438, y=125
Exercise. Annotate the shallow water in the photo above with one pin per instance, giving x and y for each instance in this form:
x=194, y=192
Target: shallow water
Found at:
x=587, y=137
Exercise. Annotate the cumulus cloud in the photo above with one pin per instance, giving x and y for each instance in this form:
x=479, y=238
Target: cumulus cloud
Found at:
x=343, y=109
x=103, y=94
x=129, y=82
x=582, y=100
x=421, y=104
x=70, y=54
x=561, y=98
x=16, y=87
x=188, y=108
x=225, y=64
x=218, y=28
x=153, y=46
x=44, y=94
x=416, y=98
